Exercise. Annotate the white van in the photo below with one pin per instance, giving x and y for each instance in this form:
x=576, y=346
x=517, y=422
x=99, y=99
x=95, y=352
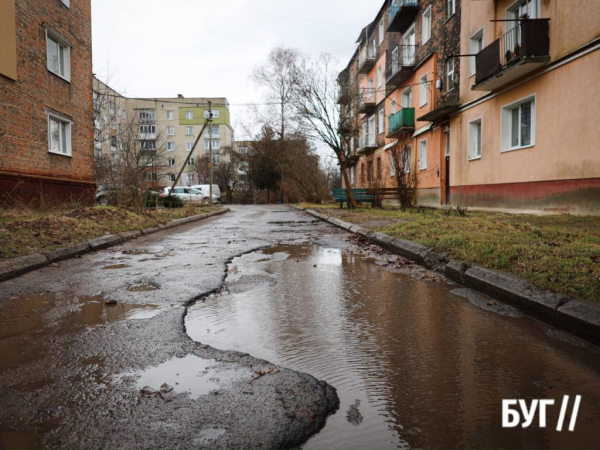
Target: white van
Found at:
x=205, y=189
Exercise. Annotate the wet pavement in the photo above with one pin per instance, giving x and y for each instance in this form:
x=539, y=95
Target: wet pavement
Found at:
x=94, y=352
x=144, y=346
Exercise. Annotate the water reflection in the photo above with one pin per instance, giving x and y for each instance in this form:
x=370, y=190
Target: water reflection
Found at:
x=429, y=368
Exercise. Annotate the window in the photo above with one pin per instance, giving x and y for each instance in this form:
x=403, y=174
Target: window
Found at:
x=518, y=125
x=59, y=55
x=113, y=143
x=148, y=145
x=189, y=131
x=111, y=108
x=423, y=90
x=147, y=115
x=474, y=150
x=189, y=115
x=391, y=158
x=450, y=8
x=407, y=159
x=450, y=75
x=371, y=90
x=242, y=150
x=426, y=27
x=372, y=138
x=189, y=146
x=171, y=162
x=59, y=135
x=97, y=135
x=381, y=32
x=406, y=98
x=522, y=8
x=215, y=113
x=423, y=154
x=475, y=46
x=147, y=129
x=152, y=176
x=170, y=115
x=215, y=131
x=381, y=121
x=171, y=146
x=113, y=124
x=393, y=107
x=379, y=77
x=190, y=162
x=216, y=160
x=171, y=131
x=172, y=177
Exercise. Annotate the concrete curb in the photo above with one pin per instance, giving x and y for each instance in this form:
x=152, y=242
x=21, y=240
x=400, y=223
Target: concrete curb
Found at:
x=561, y=311
x=13, y=268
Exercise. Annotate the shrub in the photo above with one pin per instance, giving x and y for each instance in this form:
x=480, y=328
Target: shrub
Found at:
x=172, y=201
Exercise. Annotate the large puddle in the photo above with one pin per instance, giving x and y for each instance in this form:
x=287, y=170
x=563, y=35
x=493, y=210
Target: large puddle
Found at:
x=414, y=364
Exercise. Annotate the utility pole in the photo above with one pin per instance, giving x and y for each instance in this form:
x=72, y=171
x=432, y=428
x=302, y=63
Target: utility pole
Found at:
x=210, y=164
x=187, y=159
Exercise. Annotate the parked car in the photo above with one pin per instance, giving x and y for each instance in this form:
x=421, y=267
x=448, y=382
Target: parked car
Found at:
x=187, y=194
x=205, y=189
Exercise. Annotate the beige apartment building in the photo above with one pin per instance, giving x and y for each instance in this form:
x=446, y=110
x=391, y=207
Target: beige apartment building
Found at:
x=170, y=124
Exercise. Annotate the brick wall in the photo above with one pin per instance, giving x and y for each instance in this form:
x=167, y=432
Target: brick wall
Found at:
x=24, y=103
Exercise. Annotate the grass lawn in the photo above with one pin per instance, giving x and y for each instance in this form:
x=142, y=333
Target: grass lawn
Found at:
x=28, y=231
x=557, y=252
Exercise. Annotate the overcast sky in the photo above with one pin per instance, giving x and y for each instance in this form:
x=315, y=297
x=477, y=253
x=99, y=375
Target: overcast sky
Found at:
x=202, y=48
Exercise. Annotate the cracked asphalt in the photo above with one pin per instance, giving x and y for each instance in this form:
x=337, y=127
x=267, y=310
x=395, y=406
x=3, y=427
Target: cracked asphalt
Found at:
x=72, y=361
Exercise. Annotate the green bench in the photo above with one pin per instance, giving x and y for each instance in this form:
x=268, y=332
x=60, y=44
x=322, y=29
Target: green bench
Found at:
x=360, y=195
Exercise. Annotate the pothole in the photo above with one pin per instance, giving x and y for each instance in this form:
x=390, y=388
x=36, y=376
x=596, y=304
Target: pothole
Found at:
x=143, y=288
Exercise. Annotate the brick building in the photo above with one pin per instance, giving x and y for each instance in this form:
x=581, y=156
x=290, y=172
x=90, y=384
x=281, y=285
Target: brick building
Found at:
x=46, y=109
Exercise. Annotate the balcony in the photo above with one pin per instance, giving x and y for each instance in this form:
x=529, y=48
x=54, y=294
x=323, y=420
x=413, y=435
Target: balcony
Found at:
x=401, y=14
x=400, y=63
x=366, y=59
x=366, y=103
x=520, y=51
x=345, y=127
x=366, y=143
x=403, y=120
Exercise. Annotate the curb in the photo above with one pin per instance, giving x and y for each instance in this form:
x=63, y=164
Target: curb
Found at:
x=13, y=268
x=558, y=310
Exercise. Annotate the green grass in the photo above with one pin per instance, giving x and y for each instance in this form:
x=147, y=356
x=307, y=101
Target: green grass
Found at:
x=556, y=252
x=28, y=231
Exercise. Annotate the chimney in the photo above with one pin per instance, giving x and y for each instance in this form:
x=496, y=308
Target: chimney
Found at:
x=179, y=96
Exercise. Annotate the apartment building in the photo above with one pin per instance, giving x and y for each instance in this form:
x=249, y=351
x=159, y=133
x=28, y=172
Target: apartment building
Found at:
x=526, y=135
x=170, y=125
x=46, y=133
x=407, y=72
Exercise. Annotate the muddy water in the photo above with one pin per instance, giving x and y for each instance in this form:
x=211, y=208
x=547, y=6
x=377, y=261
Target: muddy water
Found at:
x=428, y=368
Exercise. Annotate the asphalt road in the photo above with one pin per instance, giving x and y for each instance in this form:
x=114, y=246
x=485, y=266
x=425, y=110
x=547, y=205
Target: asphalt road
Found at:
x=74, y=369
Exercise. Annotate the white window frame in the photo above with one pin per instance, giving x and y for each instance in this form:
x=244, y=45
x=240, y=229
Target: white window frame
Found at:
x=391, y=162
x=171, y=177
x=423, y=158
x=426, y=19
x=65, y=140
x=381, y=31
x=381, y=116
x=170, y=115
x=171, y=162
x=189, y=115
x=475, y=141
x=171, y=131
x=475, y=37
x=215, y=113
x=450, y=8
x=393, y=107
x=406, y=94
x=190, y=162
x=379, y=77
x=423, y=90
x=506, y=124
x=450, y=73
x=171, y=146
x=188, y=129
x=189, y=146
x=408, y=151
x=53, y=38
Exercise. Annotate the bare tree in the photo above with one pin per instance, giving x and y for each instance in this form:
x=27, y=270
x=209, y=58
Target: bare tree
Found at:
x=404, y=177
x=316, y=101
x=225, y=173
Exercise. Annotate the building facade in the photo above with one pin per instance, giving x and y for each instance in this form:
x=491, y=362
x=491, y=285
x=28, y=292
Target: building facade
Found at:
x=407, y=72
x=46, y=107
x=486, y=99
x=526, y=136
x=168, y=125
